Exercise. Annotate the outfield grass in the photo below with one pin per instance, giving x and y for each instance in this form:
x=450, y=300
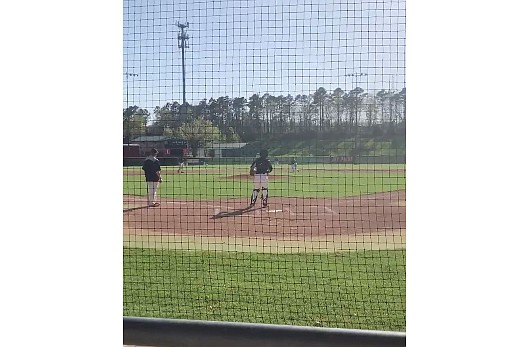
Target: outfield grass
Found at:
x=358, y=290
x=213, y=182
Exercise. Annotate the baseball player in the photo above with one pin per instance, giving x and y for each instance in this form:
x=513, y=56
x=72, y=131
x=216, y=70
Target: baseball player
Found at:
x=182, y=165
x=260, y=169
x=152, y=173
x=294, y=165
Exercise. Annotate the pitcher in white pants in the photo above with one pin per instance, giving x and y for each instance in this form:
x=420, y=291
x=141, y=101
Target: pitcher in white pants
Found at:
x=152, y=173
x=152, y=193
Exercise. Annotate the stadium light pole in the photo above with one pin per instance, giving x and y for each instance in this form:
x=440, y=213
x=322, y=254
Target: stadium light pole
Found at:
x=356, y=75
x=183, y=38
x=127, y=75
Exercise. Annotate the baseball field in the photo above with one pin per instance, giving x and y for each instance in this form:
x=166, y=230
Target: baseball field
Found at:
x=329, y=250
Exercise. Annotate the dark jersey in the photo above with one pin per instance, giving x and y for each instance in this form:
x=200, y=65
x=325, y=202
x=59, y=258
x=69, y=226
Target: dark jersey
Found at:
x=263, y=165
x=150, y=167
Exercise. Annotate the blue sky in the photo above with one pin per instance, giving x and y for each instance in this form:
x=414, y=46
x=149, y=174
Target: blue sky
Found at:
x=277, y=46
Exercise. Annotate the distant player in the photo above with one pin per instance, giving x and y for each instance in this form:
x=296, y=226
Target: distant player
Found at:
x=260, y=169
x=152, y=173
x=182, y=165
x=294, y=165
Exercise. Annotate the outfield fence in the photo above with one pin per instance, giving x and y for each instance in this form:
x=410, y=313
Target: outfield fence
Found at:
x=313, y=252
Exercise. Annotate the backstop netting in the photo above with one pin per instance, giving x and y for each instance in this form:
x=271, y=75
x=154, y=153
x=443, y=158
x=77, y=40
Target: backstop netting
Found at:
x=314, y=89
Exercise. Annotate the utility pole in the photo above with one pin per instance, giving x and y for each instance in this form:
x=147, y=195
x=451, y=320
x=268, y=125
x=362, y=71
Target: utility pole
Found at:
x=356, y=75
x=127, y=75
x=183, y=38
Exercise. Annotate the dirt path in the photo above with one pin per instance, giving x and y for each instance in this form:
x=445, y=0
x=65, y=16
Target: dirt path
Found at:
x=288, y=224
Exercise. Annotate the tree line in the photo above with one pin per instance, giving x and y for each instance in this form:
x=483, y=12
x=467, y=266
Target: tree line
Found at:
x=267, y=116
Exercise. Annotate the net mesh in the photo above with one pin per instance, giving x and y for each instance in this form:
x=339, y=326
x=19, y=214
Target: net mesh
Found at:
x=319, y=85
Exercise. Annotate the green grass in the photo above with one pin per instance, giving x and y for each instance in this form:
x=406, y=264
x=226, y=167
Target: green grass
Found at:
x=213, y=182
x=357, y=290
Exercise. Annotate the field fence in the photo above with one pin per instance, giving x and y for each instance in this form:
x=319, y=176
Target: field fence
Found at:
x=310, y=94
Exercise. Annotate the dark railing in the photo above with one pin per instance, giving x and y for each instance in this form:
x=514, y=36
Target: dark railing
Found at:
x=192, y=333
